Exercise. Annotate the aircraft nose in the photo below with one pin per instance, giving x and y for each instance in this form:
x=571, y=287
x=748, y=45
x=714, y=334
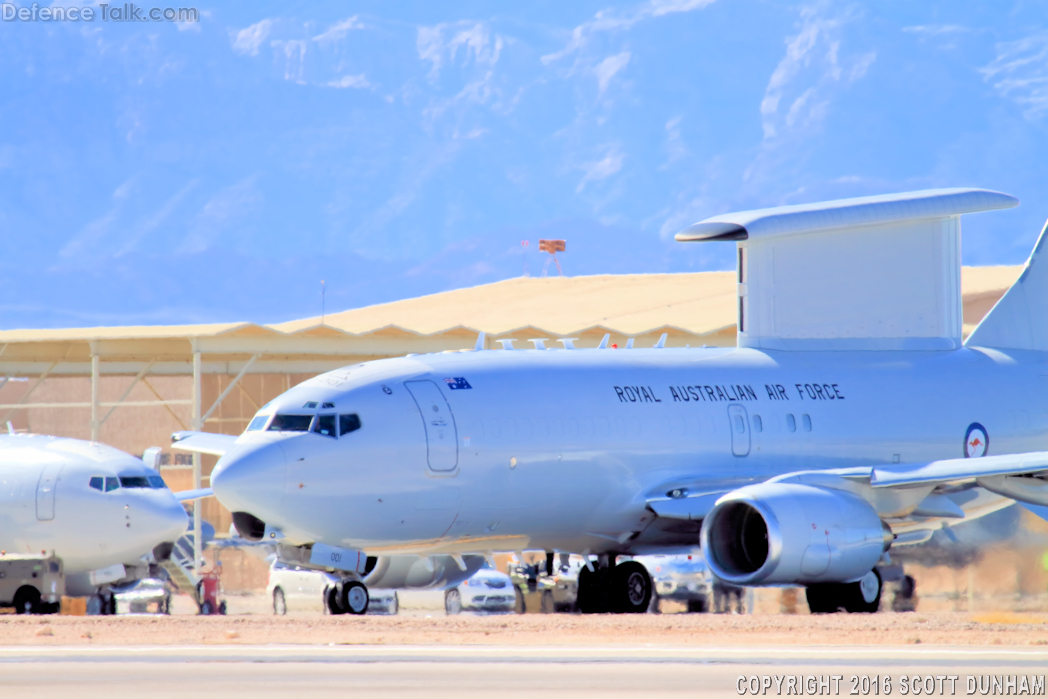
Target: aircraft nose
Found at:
x=252, y=480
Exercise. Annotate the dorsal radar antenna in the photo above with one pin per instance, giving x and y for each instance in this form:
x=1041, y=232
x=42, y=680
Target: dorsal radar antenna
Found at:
x=552, y=247
x=870, y=273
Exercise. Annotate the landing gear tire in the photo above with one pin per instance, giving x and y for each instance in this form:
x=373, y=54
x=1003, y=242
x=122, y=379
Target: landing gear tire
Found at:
x=27, y=600
x=548, y=607
x=453, y=602
x=905, y=598
x=207, y=609
x=394, y=606
x=860, y=597
x=591, y=591
x=696, y=606
x=354, y=597
x=630, y=588
x=333, y=604
x=279, y=602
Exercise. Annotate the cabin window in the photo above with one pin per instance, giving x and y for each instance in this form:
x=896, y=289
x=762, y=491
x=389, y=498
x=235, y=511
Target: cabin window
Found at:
x=134, y=482
x=112, y=483
x=325, y=425
x=348, y=423
x=290, y=423
x=758, y=424
x=806, y=421
x=791, y=422
x=257, y=423
x=97, y=482
x=157, y=482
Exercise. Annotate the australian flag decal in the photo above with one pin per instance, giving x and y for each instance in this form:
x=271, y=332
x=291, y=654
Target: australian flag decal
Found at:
x=457, y=383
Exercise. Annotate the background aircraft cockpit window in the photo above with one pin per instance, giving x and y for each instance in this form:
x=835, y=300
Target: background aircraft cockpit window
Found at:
x=348, y=423
x=112, y=483
x=257, y=423
x=134, y=482
x=311, y=405
x=290, y=423
x=325, y=425
x=157, y=482
x=97, y=482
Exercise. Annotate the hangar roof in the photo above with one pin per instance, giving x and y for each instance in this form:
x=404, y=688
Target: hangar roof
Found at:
x=694, y=308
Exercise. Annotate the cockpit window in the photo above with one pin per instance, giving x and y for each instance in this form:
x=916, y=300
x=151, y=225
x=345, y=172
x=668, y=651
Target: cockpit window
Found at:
x=258, y=423
x=290, y=423
x=112, y=483
x=325, y=425
x=348, y=423
x=97, y=482
x=325, y=406
x=311, y=405
x=134, y=482
x=157, y=482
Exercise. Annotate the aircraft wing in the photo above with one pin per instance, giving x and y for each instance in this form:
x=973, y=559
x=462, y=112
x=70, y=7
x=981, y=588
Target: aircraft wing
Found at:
x=194, y=494
x=203, y=442
x=896, y=475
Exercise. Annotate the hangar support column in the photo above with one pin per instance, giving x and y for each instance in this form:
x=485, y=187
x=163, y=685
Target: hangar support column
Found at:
x=96, y=425
x=197, y=426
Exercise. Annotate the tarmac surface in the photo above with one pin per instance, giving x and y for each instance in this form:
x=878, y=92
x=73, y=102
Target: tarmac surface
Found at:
x=474, y=671
x=255, y=655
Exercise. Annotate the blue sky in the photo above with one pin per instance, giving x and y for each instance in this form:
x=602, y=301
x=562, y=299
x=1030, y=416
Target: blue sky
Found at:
x=217, y=171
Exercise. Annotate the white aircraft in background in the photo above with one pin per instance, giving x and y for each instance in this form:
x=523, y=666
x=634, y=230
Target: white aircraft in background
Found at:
x=100, y=510
x=850, y=418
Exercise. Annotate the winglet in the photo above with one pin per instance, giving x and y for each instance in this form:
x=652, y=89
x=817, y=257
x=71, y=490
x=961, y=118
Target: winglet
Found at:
x=506, y=344
x=629, y=343
x=604, y=341
x=539, y=342
x=662, y=342
x=568, y=342
x=480, y=342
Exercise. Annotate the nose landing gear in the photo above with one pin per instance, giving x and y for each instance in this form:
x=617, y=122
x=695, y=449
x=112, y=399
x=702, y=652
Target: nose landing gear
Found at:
x=619, y=589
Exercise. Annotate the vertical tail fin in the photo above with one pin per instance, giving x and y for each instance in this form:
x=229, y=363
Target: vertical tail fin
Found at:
x=1020, y=319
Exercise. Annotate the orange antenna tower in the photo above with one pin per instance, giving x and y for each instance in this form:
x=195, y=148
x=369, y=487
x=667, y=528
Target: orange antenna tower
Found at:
x=552, y=247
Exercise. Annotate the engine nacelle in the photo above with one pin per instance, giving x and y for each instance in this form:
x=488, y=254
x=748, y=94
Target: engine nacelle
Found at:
x=774, y=533
x=414, y=573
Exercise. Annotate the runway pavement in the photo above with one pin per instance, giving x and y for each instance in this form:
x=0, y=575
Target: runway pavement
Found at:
x=285, y=671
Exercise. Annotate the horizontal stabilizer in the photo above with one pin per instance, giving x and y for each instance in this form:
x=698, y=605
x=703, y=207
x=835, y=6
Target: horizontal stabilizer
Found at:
x=203, y=442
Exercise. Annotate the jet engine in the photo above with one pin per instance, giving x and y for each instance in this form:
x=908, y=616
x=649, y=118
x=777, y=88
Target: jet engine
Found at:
x=773, y=533
x=414, y=573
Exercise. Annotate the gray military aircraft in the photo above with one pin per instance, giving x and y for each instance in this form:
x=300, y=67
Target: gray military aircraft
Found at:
x=851, y=418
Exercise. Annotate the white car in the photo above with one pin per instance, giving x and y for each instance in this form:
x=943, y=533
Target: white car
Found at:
x=487, y=590
x=293, y=588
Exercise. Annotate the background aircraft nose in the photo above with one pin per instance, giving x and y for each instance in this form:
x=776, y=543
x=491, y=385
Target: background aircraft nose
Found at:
x=251, y=480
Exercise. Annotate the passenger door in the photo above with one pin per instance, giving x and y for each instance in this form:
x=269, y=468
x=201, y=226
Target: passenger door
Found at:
x=439, y=423
x=45, y=492
x=739, y=424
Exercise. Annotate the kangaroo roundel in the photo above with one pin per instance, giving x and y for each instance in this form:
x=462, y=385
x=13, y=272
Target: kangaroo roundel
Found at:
x=976, y=441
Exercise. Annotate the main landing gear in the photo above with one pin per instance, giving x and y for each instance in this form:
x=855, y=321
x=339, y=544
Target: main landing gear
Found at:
x=863, y=596
x=348, y=597
x=619, y=589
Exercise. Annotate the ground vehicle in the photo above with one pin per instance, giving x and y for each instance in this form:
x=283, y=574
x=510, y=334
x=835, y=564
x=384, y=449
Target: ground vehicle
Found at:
x=148, y=595
x=32, y=584
x=208, y=590
x=487, y=590
x=298, y=589
x=557, y=592
x=683, y=578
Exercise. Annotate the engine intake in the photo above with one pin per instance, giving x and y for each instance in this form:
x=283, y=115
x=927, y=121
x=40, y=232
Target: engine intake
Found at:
x=781, y=533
